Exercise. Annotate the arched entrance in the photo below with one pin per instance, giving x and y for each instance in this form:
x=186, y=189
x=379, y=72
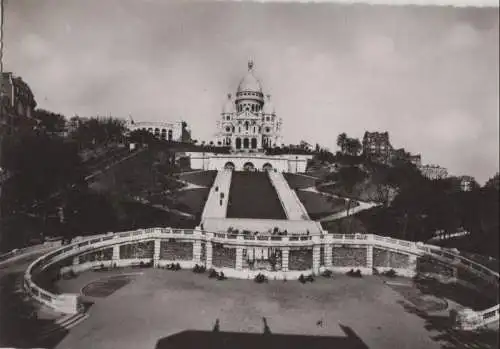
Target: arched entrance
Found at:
x=267, y=167
x=248, y=166
x=229, y=166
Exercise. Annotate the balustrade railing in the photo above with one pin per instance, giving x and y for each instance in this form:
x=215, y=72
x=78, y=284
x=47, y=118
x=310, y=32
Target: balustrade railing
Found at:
x=77, y=248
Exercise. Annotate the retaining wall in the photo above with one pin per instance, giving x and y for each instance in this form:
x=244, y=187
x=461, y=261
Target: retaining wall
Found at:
x=340, y=253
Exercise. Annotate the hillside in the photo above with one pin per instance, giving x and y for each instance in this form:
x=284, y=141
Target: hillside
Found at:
x=413, y=207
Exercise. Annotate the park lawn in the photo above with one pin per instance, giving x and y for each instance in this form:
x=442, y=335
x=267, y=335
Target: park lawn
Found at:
x=191, y=200
x=297, y=181
x=319, y=206
x=203, y=178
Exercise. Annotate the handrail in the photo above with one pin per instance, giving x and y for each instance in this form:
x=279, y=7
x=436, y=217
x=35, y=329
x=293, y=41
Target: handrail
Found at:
x=110, y=239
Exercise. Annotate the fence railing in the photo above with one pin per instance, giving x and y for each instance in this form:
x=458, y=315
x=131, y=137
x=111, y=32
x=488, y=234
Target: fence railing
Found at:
x=103, y=240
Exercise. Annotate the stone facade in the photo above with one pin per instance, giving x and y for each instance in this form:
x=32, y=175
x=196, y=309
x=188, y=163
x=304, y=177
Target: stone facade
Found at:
x=248, y=122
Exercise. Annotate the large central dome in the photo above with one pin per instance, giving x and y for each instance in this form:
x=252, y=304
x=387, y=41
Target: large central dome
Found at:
x=250, y=83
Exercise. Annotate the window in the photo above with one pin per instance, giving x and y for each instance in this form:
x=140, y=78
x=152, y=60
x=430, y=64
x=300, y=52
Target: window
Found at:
x=268, y=129
x=228, y=129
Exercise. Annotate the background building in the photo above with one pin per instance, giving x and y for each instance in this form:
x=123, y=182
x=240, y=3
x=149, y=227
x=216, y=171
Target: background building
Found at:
x=169, y=131
x=248, y=126
x=17, y=103
x=376, y=146
x=433, y=171
x=248, y=122
x=467, y=183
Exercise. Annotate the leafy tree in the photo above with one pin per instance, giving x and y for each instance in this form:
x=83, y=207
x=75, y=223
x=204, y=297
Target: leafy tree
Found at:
x=49, y=122
x=342, y=141
x=353, y=146
x=349, y=177
x=142, y=137
x=493, y=182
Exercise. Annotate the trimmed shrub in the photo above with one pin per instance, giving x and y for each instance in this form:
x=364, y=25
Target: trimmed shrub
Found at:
x=302, y=279
x=354, y=273
x=260, y=278
x=327, y=273
x=221, y=276
x=174, y=266
x=390, y=273
x=310, y=278
x=375, y=271
x=212, y=274
x=199, y=269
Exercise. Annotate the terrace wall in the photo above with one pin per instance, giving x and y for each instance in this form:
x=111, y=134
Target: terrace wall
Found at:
x=297, y=255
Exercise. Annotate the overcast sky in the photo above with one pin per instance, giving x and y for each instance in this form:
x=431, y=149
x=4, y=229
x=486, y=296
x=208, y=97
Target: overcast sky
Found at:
x=428, y=75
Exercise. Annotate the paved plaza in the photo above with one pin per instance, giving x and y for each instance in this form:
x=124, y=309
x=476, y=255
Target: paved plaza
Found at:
x=159, y=303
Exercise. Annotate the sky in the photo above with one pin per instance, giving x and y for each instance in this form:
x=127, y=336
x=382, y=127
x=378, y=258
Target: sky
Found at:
x=427, y=75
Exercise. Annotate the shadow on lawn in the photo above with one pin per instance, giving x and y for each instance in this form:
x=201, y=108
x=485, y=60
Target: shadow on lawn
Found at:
x=222, y=340
x=450, y=338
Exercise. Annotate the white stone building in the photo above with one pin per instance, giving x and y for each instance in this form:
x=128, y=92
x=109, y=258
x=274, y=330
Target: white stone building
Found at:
x=248, y=121
x=171, y=131
x=248, y=125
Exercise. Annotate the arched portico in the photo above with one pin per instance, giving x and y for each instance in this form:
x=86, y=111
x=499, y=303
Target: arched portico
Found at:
x=229, y=166
x=248, y=166
x=267, y=167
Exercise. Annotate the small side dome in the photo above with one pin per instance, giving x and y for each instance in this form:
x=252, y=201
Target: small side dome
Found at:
x=228, y=105
x=268, y=106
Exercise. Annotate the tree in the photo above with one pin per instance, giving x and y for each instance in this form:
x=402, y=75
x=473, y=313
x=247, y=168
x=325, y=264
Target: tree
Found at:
x=349, y=177
x=50, y=122
x=142, y=137
x=342, y=141
x=353, y=146
x=493, y=182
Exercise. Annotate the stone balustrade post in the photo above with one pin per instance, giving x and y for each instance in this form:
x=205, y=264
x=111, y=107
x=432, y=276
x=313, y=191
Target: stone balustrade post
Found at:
x=328, y=255
x=156, y=252
x=239, y=253
x=369, y=257
x=316, y=257
x=197, y=251
x=116, y=254
x=208, y=254
x=285, y=253
x=76, y=260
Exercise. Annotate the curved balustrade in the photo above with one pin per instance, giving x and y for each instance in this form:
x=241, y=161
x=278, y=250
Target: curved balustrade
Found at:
x=231, y=253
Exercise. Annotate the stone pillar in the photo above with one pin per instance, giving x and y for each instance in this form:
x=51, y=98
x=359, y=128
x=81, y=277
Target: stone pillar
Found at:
x=369, y=257
x=285, y=251
x=239, y=253
x=316, y=258
x=208, y=252
x=412, y=264
x=116, y=254
x=197, y=251
x=156, y=252
x=328, y=256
